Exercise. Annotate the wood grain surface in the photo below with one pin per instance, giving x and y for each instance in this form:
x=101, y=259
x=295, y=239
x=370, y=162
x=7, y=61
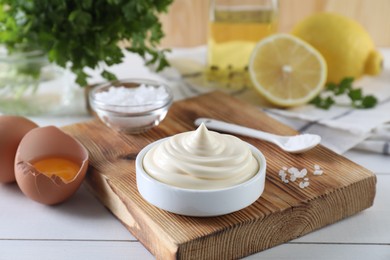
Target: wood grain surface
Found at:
x=283, y=212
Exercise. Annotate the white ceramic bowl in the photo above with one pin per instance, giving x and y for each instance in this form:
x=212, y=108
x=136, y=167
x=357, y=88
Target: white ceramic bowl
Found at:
x=199, y=203
x=131, y=119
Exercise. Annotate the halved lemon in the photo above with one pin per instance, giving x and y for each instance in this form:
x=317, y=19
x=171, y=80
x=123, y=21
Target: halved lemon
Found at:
x=286, y=70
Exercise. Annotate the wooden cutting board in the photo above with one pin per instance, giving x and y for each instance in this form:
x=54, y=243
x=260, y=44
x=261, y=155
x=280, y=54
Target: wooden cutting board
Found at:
x=283, y=212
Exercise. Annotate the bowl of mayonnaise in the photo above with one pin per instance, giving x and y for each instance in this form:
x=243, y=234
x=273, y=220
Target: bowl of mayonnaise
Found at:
x=200, y=173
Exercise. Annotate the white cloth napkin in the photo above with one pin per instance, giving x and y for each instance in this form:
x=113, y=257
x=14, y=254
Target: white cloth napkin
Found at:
x=341, y=127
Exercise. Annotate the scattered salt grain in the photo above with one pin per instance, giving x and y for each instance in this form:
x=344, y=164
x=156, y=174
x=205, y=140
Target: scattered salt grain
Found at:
x=304, y=184
x=293, y=170
x=302, y=173
x=318, y=172
x=295, y=174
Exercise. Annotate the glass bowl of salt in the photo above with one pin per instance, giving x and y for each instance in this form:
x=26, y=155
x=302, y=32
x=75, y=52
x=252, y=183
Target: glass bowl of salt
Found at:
x=131, y=106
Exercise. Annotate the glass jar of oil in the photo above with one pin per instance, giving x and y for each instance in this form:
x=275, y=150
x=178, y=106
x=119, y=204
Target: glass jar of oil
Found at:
x=235, y=26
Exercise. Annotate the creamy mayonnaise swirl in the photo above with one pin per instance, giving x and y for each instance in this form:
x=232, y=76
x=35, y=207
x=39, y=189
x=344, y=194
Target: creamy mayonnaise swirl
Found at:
x=201, y=159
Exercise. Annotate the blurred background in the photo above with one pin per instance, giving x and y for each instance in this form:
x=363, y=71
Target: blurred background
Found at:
x=185, y=25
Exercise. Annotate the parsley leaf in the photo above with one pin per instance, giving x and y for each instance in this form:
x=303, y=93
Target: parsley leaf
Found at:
x=355, y=94
x=324, y=103
x=358, y=99
x=86, y=32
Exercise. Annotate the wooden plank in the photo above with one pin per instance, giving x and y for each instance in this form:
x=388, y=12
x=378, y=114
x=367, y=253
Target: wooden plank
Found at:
x=283, y=212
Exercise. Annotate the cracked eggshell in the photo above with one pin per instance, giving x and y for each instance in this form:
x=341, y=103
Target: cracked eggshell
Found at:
x=12, y=130
x=42, y=143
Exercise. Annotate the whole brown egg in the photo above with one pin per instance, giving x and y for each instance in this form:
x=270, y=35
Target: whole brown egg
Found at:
x=12, y=131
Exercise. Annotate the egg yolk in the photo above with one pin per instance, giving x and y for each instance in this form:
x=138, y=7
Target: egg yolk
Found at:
x=63, y=168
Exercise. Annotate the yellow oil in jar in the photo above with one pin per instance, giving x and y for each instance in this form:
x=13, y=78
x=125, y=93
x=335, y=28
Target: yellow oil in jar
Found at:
x=233, y=33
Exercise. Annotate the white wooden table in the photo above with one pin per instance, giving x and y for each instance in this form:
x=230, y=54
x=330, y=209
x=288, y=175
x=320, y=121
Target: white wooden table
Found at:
x=82, y=228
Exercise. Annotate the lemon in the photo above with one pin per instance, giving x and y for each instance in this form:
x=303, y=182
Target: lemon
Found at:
x=347, y=48
x=286, y=70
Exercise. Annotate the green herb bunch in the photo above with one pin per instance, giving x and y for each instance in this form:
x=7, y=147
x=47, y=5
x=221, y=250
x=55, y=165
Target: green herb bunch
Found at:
x=358, y=100
x=85, y=32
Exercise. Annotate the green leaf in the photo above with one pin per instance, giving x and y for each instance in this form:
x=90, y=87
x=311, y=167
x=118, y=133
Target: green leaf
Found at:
x=81, y=76
x=369, y=101
x=355, y=94
x=85, y=32
x=344, y=86
x=331, y=86
x=324, y=103
x=114, y=2
x=108, y=75
x=81, y=20
x=358, y=100
x=86, y=4
x=346, y=81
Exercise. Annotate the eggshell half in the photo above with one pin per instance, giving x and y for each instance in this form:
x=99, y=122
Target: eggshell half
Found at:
x=42, y=143
x=12, y=130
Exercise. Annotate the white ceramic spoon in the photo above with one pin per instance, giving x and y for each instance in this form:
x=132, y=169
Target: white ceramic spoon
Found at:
x=292, y=144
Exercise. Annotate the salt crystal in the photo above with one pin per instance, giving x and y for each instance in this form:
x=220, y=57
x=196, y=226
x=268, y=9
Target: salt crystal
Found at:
x=293, y=170
x=317, y=170
x=303, y=173
x=299, y=174
x=141, y=98
x=303, y=184
x=293, y=177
